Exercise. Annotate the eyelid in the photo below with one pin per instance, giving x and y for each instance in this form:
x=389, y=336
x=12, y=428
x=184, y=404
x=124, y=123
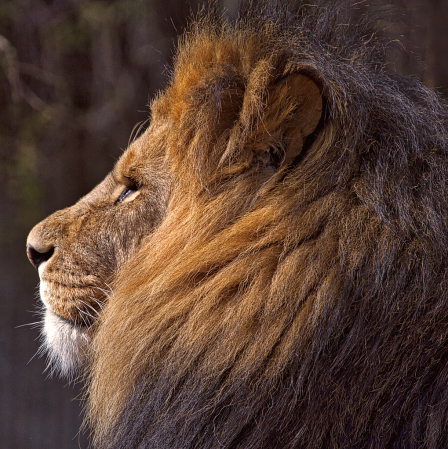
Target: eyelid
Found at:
x=121, y=176
x=131, y=183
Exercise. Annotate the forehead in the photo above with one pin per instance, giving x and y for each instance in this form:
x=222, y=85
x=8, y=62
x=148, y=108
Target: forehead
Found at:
x=149, y=146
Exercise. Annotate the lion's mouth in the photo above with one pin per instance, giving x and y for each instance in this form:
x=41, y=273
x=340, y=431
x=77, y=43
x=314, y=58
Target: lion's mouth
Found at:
x=72, y=309
x=74, y=305
x=71, y=322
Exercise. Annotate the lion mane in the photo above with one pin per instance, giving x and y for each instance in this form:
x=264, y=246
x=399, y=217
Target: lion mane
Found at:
x=295, y=293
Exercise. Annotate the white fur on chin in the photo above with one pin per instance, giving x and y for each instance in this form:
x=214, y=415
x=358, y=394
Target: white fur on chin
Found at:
x=65, y=344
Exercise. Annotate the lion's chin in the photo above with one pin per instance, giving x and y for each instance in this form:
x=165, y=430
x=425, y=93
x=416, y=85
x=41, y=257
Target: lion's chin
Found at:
x=66, y=345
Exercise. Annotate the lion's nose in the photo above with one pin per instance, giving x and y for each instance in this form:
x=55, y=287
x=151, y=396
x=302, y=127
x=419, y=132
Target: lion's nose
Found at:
x=38, y=256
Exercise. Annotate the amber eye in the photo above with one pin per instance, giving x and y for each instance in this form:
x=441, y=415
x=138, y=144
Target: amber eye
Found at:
x=128, y=190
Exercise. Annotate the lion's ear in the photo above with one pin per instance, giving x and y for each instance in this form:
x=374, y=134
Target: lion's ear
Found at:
x=301, y=97
x=273, y=122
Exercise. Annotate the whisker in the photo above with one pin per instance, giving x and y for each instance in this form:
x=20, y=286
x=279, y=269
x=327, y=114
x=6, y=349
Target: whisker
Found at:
x=89, y=306
x=103, y=291
x=85, y=313
x=82, y=313
x=29, y=324
x=108, y=292
x=68, y=311
x=98, y=302
x=108, y=286
x=130, y=140
x=135, y=133
x=39, y=352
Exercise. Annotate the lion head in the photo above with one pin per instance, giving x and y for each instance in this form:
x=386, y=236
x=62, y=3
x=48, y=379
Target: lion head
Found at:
x=275, y=245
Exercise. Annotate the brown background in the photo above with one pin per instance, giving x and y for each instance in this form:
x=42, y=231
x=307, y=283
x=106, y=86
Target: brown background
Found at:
x=75, y=77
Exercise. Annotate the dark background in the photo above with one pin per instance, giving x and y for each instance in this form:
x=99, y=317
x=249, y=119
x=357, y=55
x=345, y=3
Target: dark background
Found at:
x=75, y=77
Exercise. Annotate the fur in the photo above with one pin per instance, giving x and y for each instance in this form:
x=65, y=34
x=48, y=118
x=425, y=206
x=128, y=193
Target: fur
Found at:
x=285, y=303
x=65, y=345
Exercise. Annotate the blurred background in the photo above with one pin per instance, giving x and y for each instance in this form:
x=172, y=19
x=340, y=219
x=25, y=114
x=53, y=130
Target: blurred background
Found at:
x=75, y=77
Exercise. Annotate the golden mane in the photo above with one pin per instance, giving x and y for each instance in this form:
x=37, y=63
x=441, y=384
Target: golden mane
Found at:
x=284, y=301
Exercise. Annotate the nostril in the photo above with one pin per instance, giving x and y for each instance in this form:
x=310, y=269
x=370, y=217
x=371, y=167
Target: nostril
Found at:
x=36, y=257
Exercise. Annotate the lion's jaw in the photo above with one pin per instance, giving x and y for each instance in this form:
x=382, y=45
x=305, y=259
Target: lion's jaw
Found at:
x=65, y=343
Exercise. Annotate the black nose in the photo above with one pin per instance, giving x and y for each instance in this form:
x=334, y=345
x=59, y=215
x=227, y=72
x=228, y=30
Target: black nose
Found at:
x=36, y=257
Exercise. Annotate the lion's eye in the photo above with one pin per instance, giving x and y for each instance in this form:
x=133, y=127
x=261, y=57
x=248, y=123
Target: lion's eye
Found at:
x=127, y=191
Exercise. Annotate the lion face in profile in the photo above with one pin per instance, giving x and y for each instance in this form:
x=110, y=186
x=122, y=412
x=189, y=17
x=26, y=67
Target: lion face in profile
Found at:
x=79, y=250
x=276, y=248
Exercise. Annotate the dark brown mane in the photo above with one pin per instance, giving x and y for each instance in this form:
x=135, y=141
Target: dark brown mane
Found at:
x=285, y=305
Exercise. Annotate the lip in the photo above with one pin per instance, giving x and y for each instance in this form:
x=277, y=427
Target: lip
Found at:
x=67, y=320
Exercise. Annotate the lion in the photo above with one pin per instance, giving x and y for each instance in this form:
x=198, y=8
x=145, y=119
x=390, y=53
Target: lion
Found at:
x=266, y=265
